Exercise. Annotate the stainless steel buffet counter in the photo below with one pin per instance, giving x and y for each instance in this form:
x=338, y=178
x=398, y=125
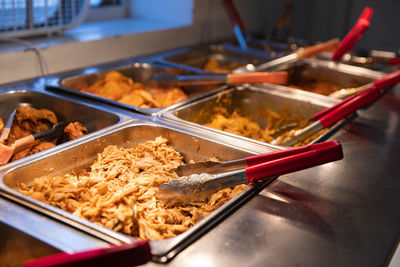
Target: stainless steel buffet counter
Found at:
x=340, y=214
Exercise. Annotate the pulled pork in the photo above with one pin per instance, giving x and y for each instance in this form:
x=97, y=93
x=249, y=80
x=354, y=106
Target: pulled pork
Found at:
x=120, y=191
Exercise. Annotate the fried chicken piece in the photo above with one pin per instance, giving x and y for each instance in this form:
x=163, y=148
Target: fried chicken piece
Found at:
x=113, y=86
x=1, y=125
x=174, y=95
x=133, y=98
x=116, y=86
x=112, y=90
x=74, y=130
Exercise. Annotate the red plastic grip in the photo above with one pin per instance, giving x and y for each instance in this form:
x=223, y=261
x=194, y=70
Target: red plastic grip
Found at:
x=387, y=80
x=331, y=152
x=262, y=158
x=234, y=15
x=133, y=254
x=366, y=13
x=327, y=110
x=395, y=60
x=351, y=38
x=349, y=107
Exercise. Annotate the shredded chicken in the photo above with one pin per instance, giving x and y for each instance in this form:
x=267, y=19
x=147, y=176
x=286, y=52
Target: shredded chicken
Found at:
x=120, y=190
x=246, y=126
x=116, y=86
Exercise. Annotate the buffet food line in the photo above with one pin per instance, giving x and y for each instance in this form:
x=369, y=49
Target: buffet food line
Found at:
x=102, y=140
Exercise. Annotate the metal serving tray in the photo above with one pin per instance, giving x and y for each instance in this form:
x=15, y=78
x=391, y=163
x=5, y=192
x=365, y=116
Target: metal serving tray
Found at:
x=80, y=155
x=139, y=72
x=65, y=110
x=195, y=58
x=346, y=76
x=249, y=101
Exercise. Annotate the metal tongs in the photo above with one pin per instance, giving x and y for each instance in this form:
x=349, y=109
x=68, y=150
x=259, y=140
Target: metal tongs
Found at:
x=6, y=152
x=291, y=58
x=195, y=187
x=329, y=116
x=280, y=77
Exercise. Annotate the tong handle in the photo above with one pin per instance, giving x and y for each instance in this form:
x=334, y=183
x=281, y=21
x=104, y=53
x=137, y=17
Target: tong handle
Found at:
x=262, y=158
x=381, y=83
x=234, y=15
x=318, y=48
x=133, y=254
x=366, y=13
x=354, y=34
x=349, y=107
x=280, y=77
x=387, y=80
x=326, y=152
x=395, y=60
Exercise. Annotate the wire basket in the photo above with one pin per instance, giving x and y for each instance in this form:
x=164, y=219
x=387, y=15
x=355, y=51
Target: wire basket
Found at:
x=20, y=18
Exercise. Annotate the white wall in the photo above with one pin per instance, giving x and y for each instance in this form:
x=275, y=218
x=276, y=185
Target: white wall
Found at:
x=311, y=19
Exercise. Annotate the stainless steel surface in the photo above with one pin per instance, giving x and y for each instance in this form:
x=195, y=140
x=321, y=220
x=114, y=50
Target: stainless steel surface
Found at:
x=343, y=75
x=196, y=58
x=17, y=247
x=139, y=72
x=25, y=235
x=271, y=65
x=250, y=101
x=341, y=214
x=78, y=156
x=66, y=110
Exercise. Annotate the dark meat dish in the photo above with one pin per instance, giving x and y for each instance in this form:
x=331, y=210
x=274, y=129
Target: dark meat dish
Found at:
x=74, y=130
x=29, y=120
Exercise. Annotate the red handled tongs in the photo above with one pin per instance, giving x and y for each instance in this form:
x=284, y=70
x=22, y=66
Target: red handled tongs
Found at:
x=329, y=116
x=125, y=255
x=354, y=34
x=195, y=187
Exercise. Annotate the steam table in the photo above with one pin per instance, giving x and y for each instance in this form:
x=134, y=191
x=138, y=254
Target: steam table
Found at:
x=344, y=213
